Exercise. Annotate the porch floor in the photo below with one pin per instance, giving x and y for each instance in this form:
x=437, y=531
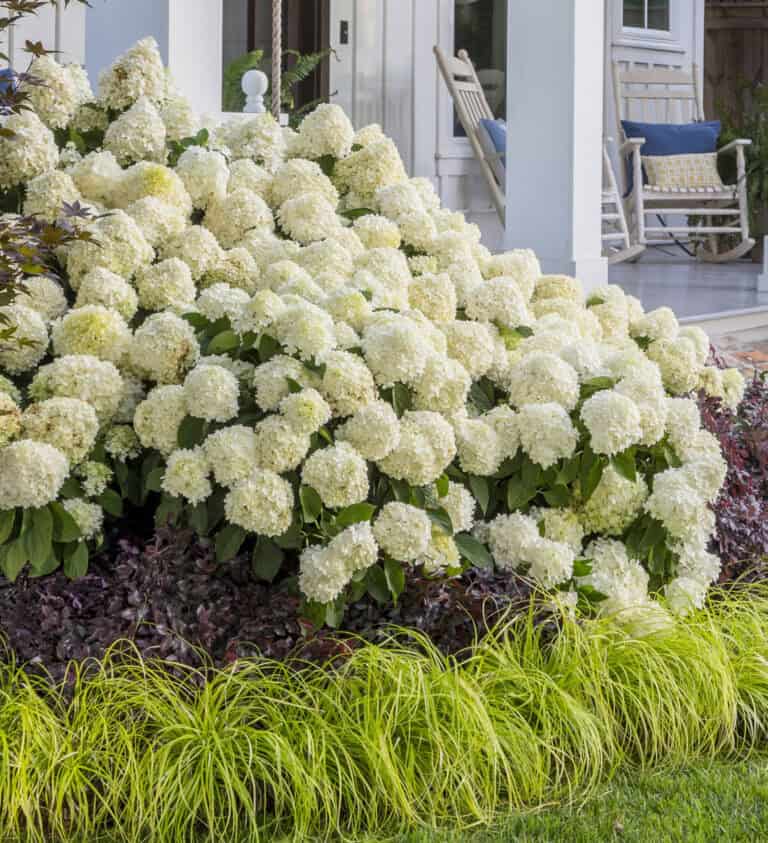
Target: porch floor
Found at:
x=689, y=287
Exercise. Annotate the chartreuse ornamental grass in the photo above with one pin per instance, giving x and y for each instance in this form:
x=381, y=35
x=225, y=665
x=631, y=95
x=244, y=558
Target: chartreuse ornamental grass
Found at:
x=394, y=738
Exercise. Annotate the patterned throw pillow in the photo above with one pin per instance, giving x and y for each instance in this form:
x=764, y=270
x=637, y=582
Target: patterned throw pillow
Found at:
x=681, y=171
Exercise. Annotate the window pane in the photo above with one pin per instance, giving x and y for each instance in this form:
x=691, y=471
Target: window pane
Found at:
x=658, y=14
x=481, y=30
x=634, y=13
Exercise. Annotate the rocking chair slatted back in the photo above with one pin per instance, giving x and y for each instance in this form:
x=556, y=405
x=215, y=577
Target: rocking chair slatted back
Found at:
x=472, y=107
x=656, y=95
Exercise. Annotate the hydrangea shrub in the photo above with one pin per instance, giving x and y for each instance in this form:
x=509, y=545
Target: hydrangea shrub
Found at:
x=279, y=339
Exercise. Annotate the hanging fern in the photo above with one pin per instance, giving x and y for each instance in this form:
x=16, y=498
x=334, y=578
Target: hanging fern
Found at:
x=304, y=67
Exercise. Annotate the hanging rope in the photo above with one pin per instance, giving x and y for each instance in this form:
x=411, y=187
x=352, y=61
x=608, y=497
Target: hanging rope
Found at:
x=277, y=55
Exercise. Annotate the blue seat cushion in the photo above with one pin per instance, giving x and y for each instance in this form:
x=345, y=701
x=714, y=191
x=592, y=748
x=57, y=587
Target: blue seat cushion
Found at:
x=497, y=132
x=671, y=139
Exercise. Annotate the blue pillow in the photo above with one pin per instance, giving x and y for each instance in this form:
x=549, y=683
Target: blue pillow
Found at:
x=497, y=132
x=671, y=139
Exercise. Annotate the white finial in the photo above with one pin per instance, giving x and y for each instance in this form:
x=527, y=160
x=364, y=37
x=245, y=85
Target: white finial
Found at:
x=254, y=84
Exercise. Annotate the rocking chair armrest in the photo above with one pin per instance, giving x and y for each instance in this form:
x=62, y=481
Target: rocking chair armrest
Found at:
x=734, y=145
x=631, y=145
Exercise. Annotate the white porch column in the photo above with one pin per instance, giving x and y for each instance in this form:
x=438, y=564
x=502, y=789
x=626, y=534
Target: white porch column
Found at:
x=554, y=137
x=189, y=33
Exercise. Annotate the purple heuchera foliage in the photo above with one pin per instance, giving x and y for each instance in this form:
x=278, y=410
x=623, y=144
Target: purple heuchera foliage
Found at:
x=742, y=508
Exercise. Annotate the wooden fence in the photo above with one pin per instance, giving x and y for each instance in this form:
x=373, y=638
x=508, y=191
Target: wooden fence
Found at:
x=735, y=51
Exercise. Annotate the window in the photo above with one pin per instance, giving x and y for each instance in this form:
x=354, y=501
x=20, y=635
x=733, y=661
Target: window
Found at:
x=480, y=28
x=646, y=14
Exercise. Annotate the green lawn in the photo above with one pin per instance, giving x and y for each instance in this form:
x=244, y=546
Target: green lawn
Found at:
x=721, y=802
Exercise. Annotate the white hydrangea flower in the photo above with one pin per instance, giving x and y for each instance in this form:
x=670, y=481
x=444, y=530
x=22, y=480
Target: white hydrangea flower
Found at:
x=56, y=94
x=97, y=176
x=187, y=475
x=137, y=73
x=205, y=175
x=704, y=464
x=338, y=474
x=584, y=322
x=699, y=339
x=396, y=351
x=300, y=176
x=92, y=329
x=103, y=288
x=306, y=330
x=402, y=531
x=28, y=152
x=122, y=443
x=373, y=431
x=117, y=245
x=647, y=393
x=501, y=301
x=245, y=173
x=441, y=555
x=676, y=502
x=259, y=138
x=232, y=453
x=427, y=447
x=683, y=421
x=460, y=505
x=734, y=387
x=43, y=295
x=542, y=378
x=443, y=386
x=434, y=296
x=546, y=433
x=510, y=539
x=178, y=118
x=659, y=324
x=236, y=268
x=220, y=300
x=69, y=424
x=164, y=348
x=369, y=169
x=146, y=180
x=308, y=217
x=211, y=393
x=551, y=562
x=31, y=474
x=377, y=231
x=325, y=131
x=97, y=382
x=325, y=571
x=138, y=134
x=678, y=362
x=613, y=422
x=503, y=420
x=623, y=580
x=685, y=594
x=47, y=193
x=560, y=525
x=10, y=419
x=89, y=517
x=519, y=265
x=615, y=503
x=558, y=287
x=279, y=447
x=166, y=285
x=696, y=562
x=235, y=214
x=306, y=411
x=349, y=306
x=261, y=504
x=478, y=447
x=94, y=477
x=261, y=312
x=197, y=247
x=159, y=416
x=418, y=230
x=270, y=380
x=613, y=318
x=27, y=345
x=347, y=383
x=471, y=344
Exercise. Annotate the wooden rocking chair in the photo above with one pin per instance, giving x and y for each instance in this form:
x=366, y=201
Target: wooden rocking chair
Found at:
x=471, y=106
x=713, y=217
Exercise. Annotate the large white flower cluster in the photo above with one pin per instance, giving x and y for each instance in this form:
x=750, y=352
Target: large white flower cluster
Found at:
x=298, y=337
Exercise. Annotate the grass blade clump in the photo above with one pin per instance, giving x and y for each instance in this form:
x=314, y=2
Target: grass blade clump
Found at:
x=397, y=736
